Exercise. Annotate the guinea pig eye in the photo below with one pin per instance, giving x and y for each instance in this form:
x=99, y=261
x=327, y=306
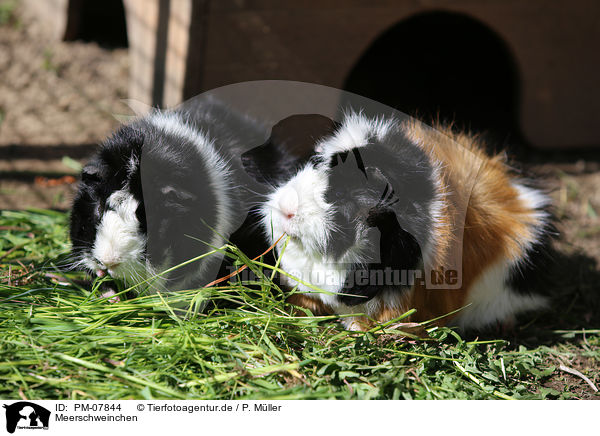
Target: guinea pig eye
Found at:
x=334, y=195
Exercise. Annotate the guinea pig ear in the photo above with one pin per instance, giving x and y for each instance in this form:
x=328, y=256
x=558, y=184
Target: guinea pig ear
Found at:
x=92, y=172
x=176, y=192
x=353, y=161
x=261, y=162
x=338, y=159
x=178, y=199
x=291, y=144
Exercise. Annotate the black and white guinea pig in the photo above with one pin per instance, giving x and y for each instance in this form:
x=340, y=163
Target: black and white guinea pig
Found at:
x=173, y=185
x=392, y=215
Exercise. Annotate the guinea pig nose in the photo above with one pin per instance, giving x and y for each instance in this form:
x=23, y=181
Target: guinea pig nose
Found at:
x=288, y=204
x=288, y=213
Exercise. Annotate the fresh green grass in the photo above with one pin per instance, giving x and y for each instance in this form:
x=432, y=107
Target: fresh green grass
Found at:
x=60, y=339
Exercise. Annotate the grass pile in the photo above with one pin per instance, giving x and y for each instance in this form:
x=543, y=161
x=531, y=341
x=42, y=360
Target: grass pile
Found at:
x=59, y=339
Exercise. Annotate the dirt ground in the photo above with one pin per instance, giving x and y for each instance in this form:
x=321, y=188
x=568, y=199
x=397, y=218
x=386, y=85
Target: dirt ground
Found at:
x=56, y=99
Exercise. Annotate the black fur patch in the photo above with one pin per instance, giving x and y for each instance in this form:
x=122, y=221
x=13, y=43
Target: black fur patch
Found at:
x=398, y=250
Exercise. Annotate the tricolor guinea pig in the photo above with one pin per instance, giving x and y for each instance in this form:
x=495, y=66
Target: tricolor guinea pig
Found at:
x=174, y=185
x=392, y=215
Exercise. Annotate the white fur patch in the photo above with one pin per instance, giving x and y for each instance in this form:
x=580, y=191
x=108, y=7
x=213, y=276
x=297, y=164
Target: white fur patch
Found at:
x=491, y=301
x=437, y=211
x=119, y=244
x=356, y=131
x=532, y=197
x=536, y=201
x=303, y=197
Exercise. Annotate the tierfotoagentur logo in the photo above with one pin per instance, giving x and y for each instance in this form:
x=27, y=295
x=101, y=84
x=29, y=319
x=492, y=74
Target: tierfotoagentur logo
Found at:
x=25, y=415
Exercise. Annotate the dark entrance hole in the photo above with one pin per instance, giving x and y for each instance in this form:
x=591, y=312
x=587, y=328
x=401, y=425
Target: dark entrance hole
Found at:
x=102, y=22
x=446, y=64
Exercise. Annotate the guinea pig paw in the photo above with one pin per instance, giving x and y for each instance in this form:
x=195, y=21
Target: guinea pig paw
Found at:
x=111, y=295
x=354, y=324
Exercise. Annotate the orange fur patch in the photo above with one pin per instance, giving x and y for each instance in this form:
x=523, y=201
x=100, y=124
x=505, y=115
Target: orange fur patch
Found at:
x=311, y=303
x=496, y=222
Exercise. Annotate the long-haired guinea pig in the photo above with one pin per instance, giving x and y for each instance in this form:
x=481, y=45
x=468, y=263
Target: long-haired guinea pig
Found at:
x=173, y=185
x=392, y=215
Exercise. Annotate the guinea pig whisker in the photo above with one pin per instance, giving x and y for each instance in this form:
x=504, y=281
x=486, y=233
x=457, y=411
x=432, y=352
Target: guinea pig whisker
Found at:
x=137, y=278
x=252, y=191
x=253, y=206
x=52, y=265
x=75, y=263
x=133, y=278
